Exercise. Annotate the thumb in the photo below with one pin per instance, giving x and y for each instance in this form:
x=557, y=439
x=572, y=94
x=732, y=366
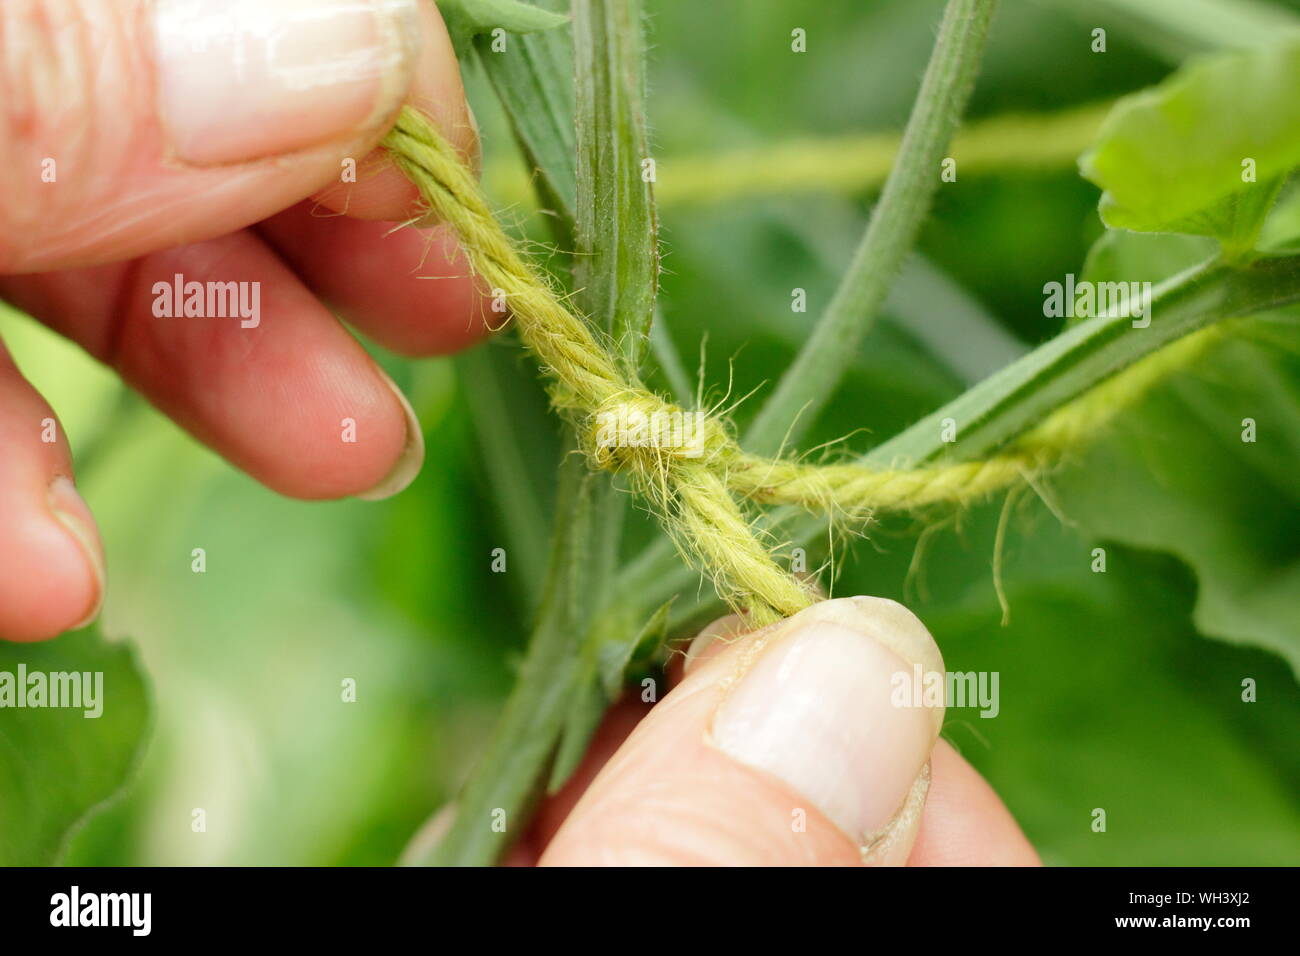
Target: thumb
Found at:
x=134, y=125
x=786, y=747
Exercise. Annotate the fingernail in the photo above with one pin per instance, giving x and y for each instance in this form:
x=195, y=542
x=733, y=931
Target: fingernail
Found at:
x=240, y=80
x=412, y=456
x=817, y=707
x=71, y=511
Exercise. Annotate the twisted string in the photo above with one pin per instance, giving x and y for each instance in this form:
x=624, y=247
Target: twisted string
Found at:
x=688, y=465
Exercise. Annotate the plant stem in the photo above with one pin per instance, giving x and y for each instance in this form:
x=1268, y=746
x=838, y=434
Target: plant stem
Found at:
x=493, y=806
x=535, y=88
x=809, y=382
x=1003, y=406
x=497, y=428
x=1009, y=402
x=617, y=266
x=618, y=262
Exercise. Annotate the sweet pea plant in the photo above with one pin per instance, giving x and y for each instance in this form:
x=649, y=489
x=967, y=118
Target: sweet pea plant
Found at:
x=1160, y=419
x=573, y=88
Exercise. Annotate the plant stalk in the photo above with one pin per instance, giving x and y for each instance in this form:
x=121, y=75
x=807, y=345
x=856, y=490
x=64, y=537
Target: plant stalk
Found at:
x=817, y=370
x=1007, y=403
x=493, y=807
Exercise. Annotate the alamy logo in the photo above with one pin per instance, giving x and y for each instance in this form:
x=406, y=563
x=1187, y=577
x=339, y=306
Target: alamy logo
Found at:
x=75, y=689
x=1086, y=300
x=209, y=300
x=75, y=908
x=939, y=688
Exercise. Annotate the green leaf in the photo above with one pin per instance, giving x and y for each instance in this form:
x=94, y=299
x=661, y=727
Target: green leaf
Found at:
x=512, y=428
x=1235, y=221
x=510, y=771
x=615, y=657
x=1108, y=700
x=1014, y=399
x=469, y=18
x=617, y=270
x=1180, y=479
x=59, y=764
x=607, y=654
x=1281, y=232
x=533, y=79
x=1175, y=158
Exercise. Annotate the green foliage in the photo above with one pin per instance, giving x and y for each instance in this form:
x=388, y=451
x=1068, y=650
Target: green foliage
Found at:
x=1185, y=479
x=467, y=19
x=1181, y=479
x=613, y=648
x=1111, y=701
x=617, y=267
x=533, y=81
x=1204, y=152
x=1112, y=695
x=59, y=764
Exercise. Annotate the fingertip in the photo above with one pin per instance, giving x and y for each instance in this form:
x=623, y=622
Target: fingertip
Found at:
x=360, y=439
x=375, y=189
x=409, y=458
x=244, y=80
x=817, y=705
x=52, y=573
x=51, y=556
x=965, y=822
x=223, y=112
x=787, y=747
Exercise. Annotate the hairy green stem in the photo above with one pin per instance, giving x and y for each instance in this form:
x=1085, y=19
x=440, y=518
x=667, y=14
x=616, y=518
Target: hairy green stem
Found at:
x=497, y=429
x=614, y=232
x=817, y=370
x=1010, y=401
x=1002, y=407
x=494, y=804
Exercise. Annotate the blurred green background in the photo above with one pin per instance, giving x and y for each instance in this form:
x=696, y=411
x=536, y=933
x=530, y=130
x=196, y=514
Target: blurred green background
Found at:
x=1118, y=690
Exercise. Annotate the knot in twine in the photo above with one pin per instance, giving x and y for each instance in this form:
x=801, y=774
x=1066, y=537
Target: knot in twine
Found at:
x=686, y=463
x=644, y=435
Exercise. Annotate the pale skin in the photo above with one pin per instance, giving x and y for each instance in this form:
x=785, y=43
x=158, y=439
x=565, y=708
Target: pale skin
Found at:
x=655, y=790
x=82, y=254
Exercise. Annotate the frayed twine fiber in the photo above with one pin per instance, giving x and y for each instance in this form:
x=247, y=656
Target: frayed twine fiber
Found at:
x=695, y=493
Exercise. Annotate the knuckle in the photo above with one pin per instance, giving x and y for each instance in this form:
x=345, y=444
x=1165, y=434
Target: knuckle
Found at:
x=57, y=58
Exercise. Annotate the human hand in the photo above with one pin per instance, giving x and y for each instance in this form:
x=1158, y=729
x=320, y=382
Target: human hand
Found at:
x=216, y=140
x=785, y=747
